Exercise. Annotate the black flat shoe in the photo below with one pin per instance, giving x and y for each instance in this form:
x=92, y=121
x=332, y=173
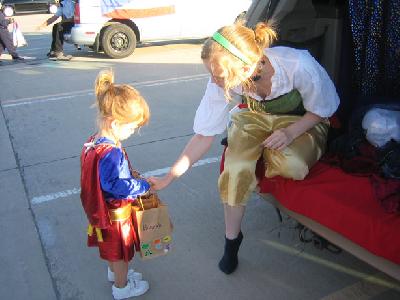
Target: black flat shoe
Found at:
x=18, y=58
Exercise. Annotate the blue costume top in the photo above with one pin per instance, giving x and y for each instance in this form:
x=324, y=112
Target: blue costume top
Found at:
x=115, y=177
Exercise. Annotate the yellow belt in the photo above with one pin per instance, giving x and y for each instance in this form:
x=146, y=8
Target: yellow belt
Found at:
x=120, y=214
x=116, y=215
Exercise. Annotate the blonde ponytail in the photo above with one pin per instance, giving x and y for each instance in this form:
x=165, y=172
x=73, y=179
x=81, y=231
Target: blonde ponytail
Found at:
x=119, y=102
x=104, y=81
x=264, y=34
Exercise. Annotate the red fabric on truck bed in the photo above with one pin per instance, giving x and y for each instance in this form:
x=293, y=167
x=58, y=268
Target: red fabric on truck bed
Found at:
x=342, y=202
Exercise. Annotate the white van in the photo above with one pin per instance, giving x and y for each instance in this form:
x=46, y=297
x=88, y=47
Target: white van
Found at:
x=116, y=26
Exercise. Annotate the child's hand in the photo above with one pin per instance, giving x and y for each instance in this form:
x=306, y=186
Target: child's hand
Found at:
x=158, y=183
x=278, y=140
x=136, y=174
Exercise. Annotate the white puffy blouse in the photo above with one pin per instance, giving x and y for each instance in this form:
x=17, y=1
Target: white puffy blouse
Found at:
x=294, y=69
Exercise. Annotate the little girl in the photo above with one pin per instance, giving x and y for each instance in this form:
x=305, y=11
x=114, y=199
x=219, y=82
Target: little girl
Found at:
x=108, y=187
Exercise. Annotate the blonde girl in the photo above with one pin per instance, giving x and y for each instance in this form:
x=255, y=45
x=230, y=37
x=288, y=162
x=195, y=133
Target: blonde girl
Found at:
x=107, y=185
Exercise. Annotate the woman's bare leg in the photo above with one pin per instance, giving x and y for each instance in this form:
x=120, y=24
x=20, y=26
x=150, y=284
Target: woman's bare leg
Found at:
x=233, y=237
x=233, y=220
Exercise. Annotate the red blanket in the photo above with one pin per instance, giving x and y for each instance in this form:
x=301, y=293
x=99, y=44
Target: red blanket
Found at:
x=342, y=202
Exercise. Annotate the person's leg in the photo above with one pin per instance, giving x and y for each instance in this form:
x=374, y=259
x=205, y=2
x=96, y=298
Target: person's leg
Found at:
x=2, y=47
x=59, y=38
x=238, y=180
x=7, y=42
x=297, y=158
x=56, y=43
x=57, y=47
x=131, y=273
x=245, y=135
x=53, y=40
x=120, y=269
x=233, y=220
x=123, y=286
x=111, y=266
x=1, y=51
x=233, y=237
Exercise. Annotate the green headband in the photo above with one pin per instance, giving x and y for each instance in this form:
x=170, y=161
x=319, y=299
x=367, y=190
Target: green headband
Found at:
x=220, y=39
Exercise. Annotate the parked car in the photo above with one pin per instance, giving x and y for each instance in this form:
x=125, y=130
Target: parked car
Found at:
x=117, y=27
x=12, y=7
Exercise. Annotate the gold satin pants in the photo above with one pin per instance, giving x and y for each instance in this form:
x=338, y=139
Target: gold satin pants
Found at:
x=245, y=135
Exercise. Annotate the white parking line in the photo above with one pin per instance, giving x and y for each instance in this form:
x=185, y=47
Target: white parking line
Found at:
x=371, y=279
x=74, y=191
x=63, y=96
x=31, y=49
x=361, y=290
x=39, y=37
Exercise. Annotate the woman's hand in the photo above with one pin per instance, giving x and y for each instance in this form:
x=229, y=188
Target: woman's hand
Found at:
x=278, y=140
x=283, y=137
x=194, y=150
x=159, y=183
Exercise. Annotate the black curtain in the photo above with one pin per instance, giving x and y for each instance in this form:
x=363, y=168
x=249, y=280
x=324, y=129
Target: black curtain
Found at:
x=375, y=28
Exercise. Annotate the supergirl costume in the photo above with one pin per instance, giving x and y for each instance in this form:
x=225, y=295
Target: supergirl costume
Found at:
x=107, y=192
x=299, y=84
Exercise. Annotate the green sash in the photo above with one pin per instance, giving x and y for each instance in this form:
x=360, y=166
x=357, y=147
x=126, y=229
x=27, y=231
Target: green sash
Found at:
x=287, y=104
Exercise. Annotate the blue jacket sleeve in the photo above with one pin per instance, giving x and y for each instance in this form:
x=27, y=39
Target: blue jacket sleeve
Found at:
x=116, y=179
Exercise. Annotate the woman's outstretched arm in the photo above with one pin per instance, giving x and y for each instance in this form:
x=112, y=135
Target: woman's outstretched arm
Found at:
x=194, y=150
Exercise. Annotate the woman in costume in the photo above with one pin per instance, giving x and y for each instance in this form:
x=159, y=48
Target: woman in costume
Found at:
x=286, y=100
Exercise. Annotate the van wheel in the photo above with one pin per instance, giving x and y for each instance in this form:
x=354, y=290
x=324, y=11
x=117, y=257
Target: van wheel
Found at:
x=118, y=41
x=8, y=11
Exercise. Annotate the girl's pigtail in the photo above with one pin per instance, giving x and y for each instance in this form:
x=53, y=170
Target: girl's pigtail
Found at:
x=265, y=34
x=104, y=82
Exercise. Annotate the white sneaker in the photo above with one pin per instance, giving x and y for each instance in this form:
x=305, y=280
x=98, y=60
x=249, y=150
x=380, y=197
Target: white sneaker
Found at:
x=133, y=288
x=131, y=275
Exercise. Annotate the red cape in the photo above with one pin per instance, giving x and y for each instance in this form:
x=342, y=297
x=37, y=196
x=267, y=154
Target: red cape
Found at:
x=92, y=197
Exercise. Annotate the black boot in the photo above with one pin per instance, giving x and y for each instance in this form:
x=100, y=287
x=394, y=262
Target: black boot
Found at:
x=229, y=261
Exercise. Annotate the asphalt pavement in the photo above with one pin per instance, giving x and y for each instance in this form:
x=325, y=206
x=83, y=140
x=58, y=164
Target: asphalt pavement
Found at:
x=46, y=116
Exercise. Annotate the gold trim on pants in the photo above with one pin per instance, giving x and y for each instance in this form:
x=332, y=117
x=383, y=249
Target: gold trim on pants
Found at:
x=245, y=135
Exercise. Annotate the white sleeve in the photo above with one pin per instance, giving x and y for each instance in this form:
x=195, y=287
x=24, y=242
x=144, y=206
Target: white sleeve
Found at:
x=315, y=86
x=212, y=114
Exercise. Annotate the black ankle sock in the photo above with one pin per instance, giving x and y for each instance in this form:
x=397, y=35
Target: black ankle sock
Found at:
x=229, y=261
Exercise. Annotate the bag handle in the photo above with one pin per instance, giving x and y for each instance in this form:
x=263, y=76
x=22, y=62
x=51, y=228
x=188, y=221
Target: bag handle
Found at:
x=141, y=202
x=152, y=200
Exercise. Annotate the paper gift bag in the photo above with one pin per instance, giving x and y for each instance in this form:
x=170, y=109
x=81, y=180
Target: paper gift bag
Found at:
x=155, y=229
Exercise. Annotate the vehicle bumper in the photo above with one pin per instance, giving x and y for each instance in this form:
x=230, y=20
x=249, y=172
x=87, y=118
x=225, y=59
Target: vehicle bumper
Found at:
x=82, y=35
